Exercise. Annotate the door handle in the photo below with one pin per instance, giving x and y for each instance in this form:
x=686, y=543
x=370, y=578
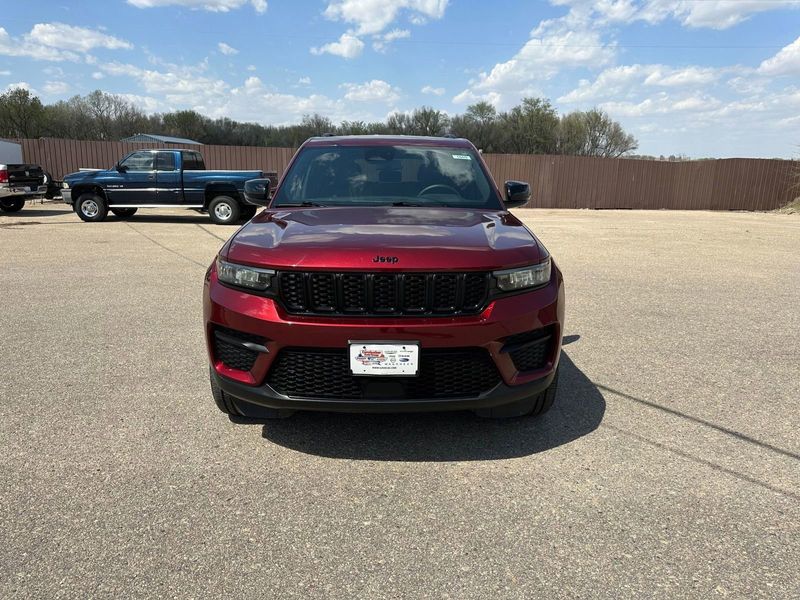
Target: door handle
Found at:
x=151, y=177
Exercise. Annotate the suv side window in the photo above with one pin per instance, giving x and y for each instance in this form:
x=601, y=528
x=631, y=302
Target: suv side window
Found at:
x=165, y=161
x=139, y=161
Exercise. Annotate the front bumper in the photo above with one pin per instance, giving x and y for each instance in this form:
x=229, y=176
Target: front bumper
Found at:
x=66, y=195
x=228, y=308
x=249, y=399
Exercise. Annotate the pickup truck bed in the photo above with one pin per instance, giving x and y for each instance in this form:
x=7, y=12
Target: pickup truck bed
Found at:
x=18, y=183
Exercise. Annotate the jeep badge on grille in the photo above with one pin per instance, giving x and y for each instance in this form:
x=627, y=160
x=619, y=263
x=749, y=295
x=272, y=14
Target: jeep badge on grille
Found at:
x=386, y=259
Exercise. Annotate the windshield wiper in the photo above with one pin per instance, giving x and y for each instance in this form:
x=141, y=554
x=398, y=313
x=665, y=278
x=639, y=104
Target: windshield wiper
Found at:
x=418, y=204
x=298, y=204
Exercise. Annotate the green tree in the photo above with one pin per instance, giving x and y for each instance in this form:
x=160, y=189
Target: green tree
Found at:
x=21, y=114
x=186, y=123
x=479, y=124
x=530, y=128
x=429, y=121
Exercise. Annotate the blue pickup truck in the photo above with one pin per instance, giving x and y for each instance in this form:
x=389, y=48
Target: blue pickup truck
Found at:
x=158, y=179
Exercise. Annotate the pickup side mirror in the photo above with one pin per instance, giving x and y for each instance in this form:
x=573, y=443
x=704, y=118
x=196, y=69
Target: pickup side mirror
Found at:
x=518, y=193
x=121, y=168
x=256, y=192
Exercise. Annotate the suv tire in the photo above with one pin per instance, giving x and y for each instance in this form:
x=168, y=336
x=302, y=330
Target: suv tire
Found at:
x=248, y=212
x=528, y=407
x=91, y=207
x=227, y=405
x=12, y=204
x=224, y=210
x=124, y=213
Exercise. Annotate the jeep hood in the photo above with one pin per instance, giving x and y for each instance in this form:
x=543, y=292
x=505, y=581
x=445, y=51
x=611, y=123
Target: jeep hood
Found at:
x=349, y=238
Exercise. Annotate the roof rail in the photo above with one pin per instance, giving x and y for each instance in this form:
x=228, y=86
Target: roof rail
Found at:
x=450, y=135
x=328, y=134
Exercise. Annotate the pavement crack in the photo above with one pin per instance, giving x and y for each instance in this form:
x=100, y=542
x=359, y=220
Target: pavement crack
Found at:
x=170, y=250
x=703, y=461
x=211, y=233
x=731, y=432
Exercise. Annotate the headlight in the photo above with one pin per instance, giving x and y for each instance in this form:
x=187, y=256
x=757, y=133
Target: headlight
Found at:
x=244, y=276
x=65, y=185
x=526, y=277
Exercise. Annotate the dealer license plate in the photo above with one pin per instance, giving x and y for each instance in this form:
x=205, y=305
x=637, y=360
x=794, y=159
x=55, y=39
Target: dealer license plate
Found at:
x=369, y=358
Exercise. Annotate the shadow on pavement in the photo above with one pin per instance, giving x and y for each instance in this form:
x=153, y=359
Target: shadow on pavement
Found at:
x=456, y=436
x=31, y=212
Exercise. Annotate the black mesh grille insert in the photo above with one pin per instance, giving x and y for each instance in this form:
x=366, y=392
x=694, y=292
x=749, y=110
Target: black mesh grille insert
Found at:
x=325, y=373
x=383, y=294
x=529, y=351
x=232, y=354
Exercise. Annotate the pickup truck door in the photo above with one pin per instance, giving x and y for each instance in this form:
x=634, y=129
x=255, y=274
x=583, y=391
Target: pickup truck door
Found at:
x=168, y=179
x=135, y=184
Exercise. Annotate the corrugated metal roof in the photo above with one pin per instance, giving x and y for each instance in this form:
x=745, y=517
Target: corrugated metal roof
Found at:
x=164, y=139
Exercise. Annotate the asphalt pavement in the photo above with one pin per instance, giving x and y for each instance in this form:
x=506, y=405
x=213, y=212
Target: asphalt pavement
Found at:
x=668, y=468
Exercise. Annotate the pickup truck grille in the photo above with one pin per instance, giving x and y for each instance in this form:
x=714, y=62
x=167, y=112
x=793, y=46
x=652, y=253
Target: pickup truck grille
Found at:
x=383, y=294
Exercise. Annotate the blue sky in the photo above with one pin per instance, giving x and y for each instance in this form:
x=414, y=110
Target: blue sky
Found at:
x=697, y=77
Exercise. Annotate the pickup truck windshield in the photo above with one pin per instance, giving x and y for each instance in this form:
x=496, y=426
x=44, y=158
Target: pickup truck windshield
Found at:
x=387, y=176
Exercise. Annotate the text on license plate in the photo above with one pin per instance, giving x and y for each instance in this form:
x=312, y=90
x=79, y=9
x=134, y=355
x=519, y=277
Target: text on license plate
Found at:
x=369, y=358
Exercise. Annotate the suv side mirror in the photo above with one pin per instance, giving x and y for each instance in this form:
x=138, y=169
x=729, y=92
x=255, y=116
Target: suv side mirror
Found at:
x=518, y=193
x=256, y=192
x=121, y=168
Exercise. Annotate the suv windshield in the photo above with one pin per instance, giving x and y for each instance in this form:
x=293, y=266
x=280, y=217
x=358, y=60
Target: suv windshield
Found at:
x=387, y=176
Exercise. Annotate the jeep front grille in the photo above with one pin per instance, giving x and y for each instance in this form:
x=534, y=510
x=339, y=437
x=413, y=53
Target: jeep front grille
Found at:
x=325, y=373
x=383, y=294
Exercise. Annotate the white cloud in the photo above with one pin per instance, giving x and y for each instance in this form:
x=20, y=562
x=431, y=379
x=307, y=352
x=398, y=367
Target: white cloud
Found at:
x=304, y=81
x=260, y=6
x=98, y=75
x=785, y=62
x=226, y=49
x=555, y=45
x=662, y=104
x=348, y=46
x=382, y=40
x=252, y=101
x=376, y=90
x=252, y=68
x=69, y=37
x=373, y=16
x=56, y=87
x=434, y=91
x=177, y=83
x=665, y=76
x=713, y=14
x=19, y=85
x=59, y=42
x=5, y=73
x=617, y=82
x=148, y=104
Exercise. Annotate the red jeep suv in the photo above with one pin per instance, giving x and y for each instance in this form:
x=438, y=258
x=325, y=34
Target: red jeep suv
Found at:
x=386, y=274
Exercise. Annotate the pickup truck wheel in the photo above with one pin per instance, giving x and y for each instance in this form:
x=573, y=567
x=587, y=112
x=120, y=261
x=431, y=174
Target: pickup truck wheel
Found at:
x=124, y=213
x=12, y=204
x=52, y=189
x=224, y=210
x=528, y=407
x=91, y=207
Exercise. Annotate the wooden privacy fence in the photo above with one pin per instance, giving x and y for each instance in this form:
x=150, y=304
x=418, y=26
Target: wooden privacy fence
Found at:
x=556, y=181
